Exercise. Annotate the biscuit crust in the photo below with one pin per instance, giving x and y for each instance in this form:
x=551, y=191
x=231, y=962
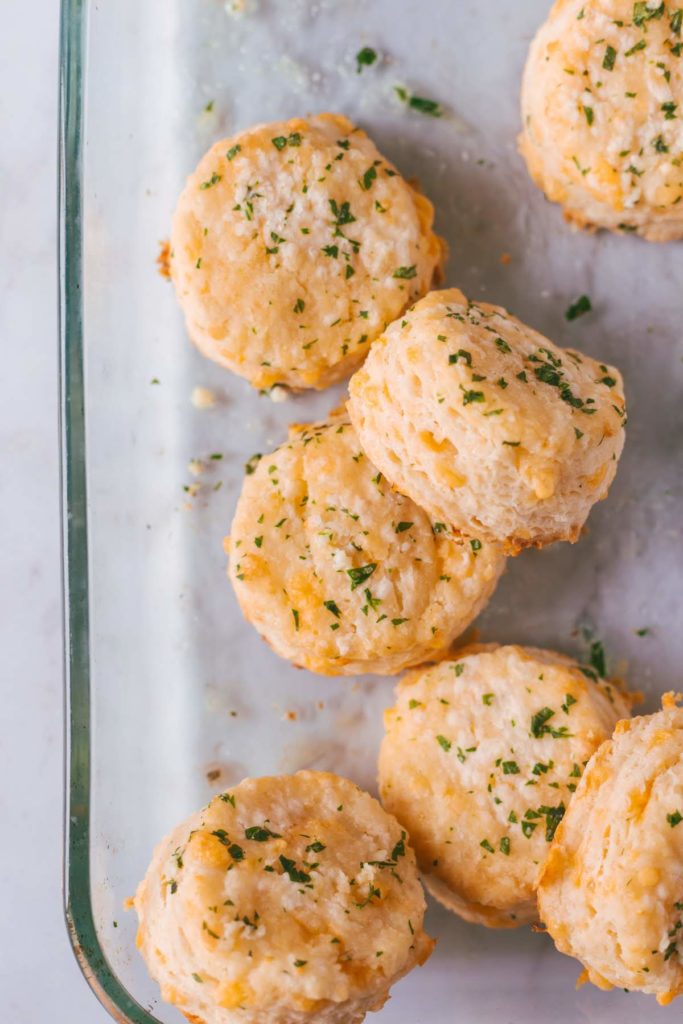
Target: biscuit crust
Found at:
x=611, y=892
x=338, y=572
x=479, y=762
x=487, y=424
x=293, y=244
x=601, y=107
x=286, y=900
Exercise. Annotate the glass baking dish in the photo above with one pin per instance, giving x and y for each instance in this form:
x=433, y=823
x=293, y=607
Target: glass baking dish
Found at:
x=171, y=696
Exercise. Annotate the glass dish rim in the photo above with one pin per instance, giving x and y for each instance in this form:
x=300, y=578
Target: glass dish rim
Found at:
x=78, y=910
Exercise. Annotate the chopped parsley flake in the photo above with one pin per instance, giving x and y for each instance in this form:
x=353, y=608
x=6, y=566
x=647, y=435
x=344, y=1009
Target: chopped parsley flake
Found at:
x=365, y=58
x=674, y=819
x=443, y=743
x=280, y=141
x=597, y=658
x=399, y=849
x=469, y=396
x=578, y=308
x=539, y=725
x=366, y=181
x=213, y=180
x=539, y=721
x=642, y=12
x=419, y=103
x=251, y=464
x=609, y=58
x=463, y=354
x=553, y=816
x=342, y=214
x=372, y=894
x=360, y=574
x=405, y=273
x=235, y=851
x=295, y=875
x=260, y=834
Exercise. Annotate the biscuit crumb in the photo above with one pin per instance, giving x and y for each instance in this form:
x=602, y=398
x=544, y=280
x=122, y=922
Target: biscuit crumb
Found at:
x=203, y=398
x=164, y=259
x=279, y=394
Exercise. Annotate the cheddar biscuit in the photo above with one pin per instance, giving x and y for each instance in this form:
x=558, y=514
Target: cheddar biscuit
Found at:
x=601, y=110
x=611, y=892
x=479, y=762
x=293, y=244
x=338, y=572
x=286, y=900
x=489, y=426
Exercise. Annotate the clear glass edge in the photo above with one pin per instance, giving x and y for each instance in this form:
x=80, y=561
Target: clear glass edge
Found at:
x=76, y=878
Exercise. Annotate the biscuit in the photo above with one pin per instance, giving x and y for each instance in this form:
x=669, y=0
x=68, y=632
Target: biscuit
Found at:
x=286, y=900
x=601, y=108
x=611, y=892
x=293, y=245
x=486, y=424
x=479, y=762
x=338, y=572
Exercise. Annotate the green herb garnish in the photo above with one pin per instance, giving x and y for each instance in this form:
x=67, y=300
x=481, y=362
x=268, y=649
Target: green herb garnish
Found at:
x=578, y=308
x=360, y=574
x=419, y=103
x=260, y=834
x=405, y=273
x=609, y=58
x=290, y=868
x=365, y=58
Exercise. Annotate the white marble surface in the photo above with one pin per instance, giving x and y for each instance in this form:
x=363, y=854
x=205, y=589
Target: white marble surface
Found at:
x=39, y=978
